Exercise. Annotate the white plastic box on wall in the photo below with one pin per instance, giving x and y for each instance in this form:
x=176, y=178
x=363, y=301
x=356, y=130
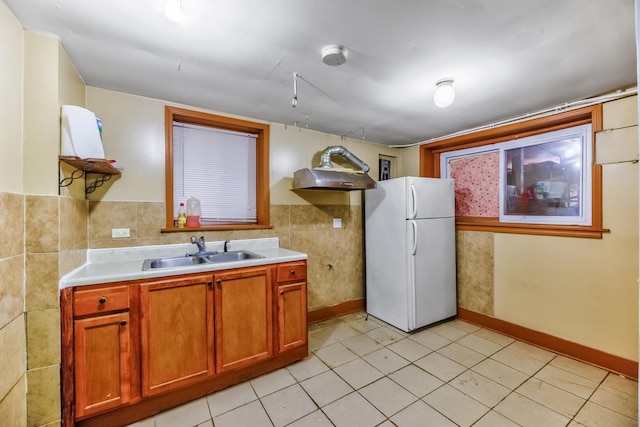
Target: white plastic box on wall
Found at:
x=79, y=134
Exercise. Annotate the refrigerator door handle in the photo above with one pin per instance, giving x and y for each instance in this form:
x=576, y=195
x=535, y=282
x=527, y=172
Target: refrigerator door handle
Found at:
x=414, y=227
x=414, y=199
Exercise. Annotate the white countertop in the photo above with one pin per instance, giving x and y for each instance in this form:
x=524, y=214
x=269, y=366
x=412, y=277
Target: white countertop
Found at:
x=118, y=264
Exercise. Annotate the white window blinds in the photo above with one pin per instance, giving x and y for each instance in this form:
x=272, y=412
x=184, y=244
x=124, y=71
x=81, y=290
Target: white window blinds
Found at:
x=219, y=168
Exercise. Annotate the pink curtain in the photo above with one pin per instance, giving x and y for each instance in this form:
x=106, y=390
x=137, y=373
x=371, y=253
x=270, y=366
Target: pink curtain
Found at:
x=477, y=181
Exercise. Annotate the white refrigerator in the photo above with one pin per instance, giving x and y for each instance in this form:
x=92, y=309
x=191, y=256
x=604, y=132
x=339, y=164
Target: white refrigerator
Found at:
x=410, y=251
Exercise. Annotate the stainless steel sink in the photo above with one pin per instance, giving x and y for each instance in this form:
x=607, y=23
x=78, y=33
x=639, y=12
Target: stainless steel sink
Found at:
x=201, y=254
x=182, y=261
x=187, y=261
x=232, y=256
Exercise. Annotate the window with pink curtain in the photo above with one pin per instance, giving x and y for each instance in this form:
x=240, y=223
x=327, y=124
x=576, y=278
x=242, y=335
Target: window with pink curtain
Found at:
x=477, y=184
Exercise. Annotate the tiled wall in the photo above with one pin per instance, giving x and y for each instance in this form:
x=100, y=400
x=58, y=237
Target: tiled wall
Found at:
x=334, y=255
x=474, y=260
x=56, y=242
x=58, y=230
x=42, y=221
x=13, y=358
x=74, y=220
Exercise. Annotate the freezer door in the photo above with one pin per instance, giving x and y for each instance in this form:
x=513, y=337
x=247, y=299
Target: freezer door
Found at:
x=432, y=285
x=429, y=198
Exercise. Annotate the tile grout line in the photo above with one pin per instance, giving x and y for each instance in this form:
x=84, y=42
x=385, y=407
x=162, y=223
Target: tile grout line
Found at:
x=491, y=408
x=397, y=337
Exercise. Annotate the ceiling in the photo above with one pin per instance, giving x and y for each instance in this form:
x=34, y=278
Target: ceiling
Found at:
x=506, y=57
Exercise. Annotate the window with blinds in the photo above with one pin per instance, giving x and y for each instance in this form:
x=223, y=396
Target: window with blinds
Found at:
x=218, y=167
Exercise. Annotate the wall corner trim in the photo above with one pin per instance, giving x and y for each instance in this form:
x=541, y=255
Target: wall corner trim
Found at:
x=610, y=362
x=330, y=312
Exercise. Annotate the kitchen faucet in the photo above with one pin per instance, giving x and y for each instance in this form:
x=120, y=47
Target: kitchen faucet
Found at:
x=199, y=242
x=226, y=242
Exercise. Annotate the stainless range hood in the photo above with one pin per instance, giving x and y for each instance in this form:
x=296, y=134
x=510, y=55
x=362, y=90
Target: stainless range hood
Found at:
x=321, y=179
x=326, y=177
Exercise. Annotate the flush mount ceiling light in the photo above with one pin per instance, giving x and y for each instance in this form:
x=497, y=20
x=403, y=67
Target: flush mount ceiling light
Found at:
x=445, y=94
x=174, y=11
x=334, y=54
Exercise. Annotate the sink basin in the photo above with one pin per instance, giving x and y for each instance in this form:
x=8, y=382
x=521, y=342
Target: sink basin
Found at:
x=207, y=253
x=188, y=261
x=182, y=261
x=232, y=256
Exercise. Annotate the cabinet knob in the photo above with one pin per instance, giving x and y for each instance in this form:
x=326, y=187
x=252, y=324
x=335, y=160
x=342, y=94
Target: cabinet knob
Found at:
x=209, y=283
x=102, y=300
x=281, y=292
x=292, y=272
x=123, y=323
x=218, y=282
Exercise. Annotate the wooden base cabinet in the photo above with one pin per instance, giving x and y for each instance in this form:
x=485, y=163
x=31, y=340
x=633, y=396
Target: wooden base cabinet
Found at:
x=243, y=318
x=176, y=333
x=133, y=349
x=291, y=307
x=102, y=352
x=98, y=332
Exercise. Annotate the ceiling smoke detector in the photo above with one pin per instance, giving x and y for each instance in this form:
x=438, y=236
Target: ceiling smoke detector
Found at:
x=334, y=55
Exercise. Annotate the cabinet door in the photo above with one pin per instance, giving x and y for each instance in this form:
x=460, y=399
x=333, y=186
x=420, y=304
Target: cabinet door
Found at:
x=176, y=333
x=292, y=315
x=243, y=317
x=102, y=373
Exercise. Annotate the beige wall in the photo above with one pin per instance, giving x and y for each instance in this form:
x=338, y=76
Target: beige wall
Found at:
x=71, y=87
x=555, y=294
x=72, y=208
x=11, y=102
x=44, y=235
x=410, y=160
x=13, y=357
x=41, y=114
x=585, y=291
x=133, y=134
x=55, y=227
x=294, y=148
x=581, y=290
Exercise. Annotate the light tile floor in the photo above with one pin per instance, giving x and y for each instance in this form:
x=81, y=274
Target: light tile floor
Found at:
x=362, y=372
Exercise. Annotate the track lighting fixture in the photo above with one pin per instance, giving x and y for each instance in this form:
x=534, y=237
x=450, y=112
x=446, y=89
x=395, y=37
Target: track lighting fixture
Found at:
x=294, y=101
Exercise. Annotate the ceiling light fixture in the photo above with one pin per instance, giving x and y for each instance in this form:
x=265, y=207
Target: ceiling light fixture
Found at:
x=174, y=11
x=294, y=101
x=334, y=55
x=445, y=93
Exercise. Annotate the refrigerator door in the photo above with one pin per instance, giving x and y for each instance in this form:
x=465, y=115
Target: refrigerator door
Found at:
x=432, y=277
x=387, y=260
x=429, y=198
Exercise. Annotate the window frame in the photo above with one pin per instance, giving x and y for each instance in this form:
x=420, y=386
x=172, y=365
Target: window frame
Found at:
x=581, y=131
x=181, y=115
x=430, y=167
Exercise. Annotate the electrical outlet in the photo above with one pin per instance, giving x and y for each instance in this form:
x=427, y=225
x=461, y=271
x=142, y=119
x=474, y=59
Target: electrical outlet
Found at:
x=117, y=233
x=337, y=222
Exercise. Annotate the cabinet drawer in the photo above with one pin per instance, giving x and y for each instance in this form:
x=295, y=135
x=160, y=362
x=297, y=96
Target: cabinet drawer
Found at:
x=293, y=271
x=95, y=301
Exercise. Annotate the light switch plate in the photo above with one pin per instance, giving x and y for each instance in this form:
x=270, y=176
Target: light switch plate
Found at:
x=117, y=233
x=337, y=222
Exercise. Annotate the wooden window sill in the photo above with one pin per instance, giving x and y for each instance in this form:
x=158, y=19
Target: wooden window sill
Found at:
x=219, y=227
x=495, y=226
